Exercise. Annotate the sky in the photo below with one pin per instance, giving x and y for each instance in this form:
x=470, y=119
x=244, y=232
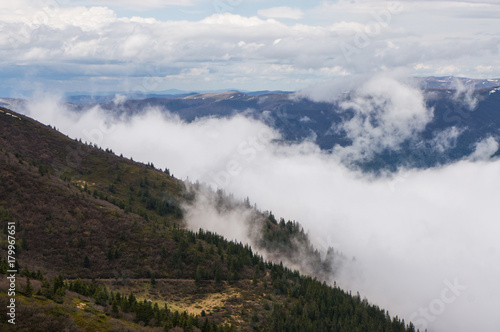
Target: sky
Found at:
x=98, y=46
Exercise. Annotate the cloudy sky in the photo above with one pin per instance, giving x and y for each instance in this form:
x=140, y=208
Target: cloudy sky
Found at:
x=155, y=45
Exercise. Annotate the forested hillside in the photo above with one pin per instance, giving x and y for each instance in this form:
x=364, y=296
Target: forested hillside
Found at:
x=101, y=245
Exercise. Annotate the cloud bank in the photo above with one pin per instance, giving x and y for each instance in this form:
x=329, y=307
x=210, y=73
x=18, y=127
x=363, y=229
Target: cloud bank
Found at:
x=386, y=113
x=424, y=242
x=282, y=12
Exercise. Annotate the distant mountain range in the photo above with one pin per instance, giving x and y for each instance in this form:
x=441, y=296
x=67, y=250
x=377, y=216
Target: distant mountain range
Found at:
x=445, y=82
x=466, y=112
x=83, y=98
x=450, y=82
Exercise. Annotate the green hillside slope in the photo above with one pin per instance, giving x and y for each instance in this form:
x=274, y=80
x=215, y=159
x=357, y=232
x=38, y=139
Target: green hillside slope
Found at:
x=101, y=245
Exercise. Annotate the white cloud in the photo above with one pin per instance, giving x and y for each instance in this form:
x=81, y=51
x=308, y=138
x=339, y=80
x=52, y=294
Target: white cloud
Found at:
x=60, y=18
x=282, y=12
x=448, y=70
x=203, y=213
x=119, y=99
x=465, y=93
x=143, y=4
x=386, y=112
x=485, y=149
x=446, y=139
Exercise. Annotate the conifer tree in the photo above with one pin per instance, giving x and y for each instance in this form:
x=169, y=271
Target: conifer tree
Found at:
x=28, y=290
